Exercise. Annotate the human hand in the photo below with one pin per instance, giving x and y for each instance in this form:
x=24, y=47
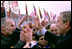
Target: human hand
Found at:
x=27, y=32
x=30, y=25
x=38, y=24
x=25, y=17
x=43, y=23
x=22, y=20
x=27, y=45
x=22, y=37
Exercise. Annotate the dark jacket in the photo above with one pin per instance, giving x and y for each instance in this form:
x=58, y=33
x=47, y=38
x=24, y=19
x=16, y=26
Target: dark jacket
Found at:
x=13, y=41
x=59, y=41
x=15, y=37
x=6, y=43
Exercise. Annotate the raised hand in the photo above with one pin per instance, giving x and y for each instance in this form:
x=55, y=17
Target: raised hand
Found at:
x=30, y=25
x=27, y=32
x=22, y=20
x=38, y=24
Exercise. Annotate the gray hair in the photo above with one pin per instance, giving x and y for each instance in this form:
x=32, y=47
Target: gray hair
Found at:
x=3, y=21
x=66, y=16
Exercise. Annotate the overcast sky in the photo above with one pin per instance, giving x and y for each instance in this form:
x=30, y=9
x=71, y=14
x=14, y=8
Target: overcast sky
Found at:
x=51, y=6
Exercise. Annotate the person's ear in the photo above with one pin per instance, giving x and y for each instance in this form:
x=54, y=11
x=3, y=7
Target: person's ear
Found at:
x=67, y=23
x=2, y=27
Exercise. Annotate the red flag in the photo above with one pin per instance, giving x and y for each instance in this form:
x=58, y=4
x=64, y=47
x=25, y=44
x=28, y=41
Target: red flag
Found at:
x=2, y=5
x=34, y=10
x=26, y=8
x=14, y=4
x=9, y=11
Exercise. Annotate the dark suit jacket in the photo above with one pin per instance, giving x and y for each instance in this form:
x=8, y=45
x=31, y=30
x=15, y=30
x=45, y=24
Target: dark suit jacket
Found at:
x=60, y=42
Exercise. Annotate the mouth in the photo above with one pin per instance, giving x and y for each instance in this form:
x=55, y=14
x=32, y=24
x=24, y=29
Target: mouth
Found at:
x=13, y=30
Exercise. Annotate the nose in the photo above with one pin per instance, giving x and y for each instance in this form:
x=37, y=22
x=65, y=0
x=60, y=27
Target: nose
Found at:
x=14, y=28
x=56, y=24
x=43, y=40
x=54, y=32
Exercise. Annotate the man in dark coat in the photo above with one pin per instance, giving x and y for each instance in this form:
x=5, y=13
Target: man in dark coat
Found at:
x=7, y=33
x=64, y=25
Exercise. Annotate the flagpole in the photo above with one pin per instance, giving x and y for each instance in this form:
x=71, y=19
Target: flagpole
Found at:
x=25, y=15
x=26, y=12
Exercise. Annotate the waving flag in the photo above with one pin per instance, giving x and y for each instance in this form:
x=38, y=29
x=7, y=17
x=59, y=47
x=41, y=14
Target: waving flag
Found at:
x=45, y=14
x=48, y=15
x=26, y=8
x=9, y=11
x=40, y=13
x=51, y=14
x=14, y=4
x=34, y=10
x=32, y=13
x=2, y=6
x=54, y=16
x=37, y=15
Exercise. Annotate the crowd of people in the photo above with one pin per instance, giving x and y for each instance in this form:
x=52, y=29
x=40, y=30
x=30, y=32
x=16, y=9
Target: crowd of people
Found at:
x=41, y=35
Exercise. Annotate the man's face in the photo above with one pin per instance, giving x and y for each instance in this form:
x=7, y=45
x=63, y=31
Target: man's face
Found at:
x=10, y=27
x=61, y=25
x=54, y=29
x=42, y=41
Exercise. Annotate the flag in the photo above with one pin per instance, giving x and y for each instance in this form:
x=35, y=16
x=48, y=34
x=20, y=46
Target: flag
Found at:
x=26, y=8
x=54, y=16
x=34, y=10
x=9, y=11
x=45, y=14
x=37, y=15
x=51, y=14
x=2, y=5
x=14, y=4
x=48, y=15
x=32, y=13
x=40, y=13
